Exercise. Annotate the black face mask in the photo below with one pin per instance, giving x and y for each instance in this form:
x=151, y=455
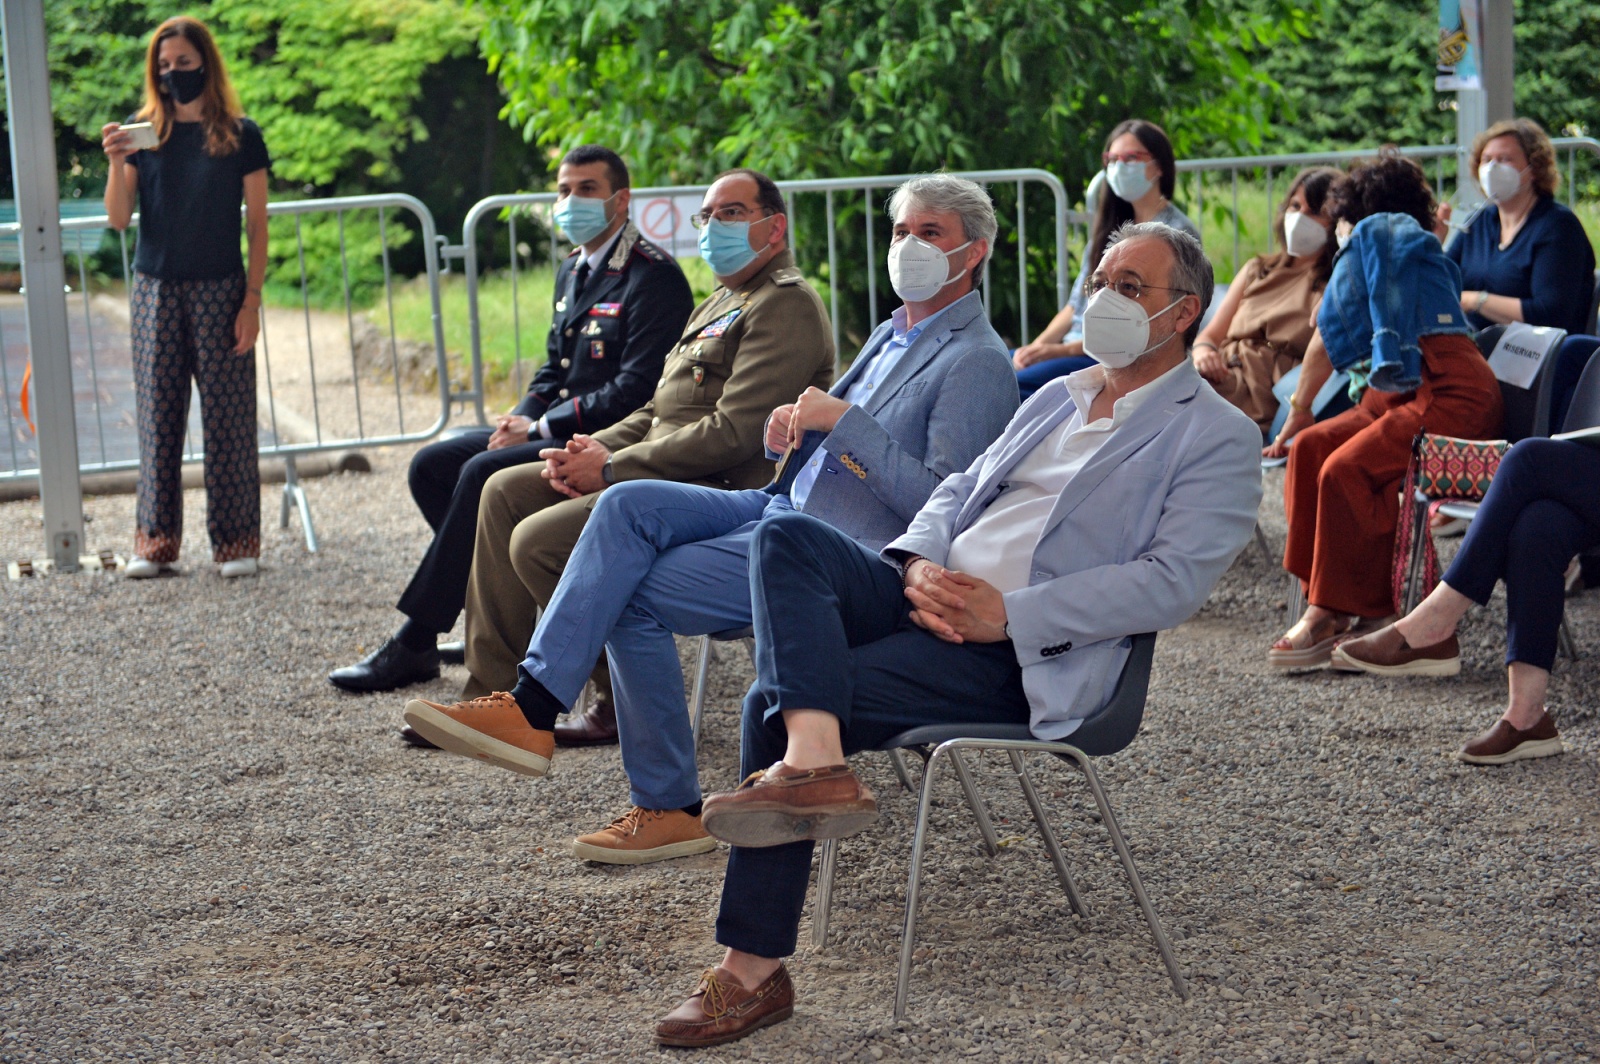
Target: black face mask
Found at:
x=184, y=86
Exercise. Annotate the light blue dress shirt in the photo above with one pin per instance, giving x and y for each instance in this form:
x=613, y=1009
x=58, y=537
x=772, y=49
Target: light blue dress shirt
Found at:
x=861, y=389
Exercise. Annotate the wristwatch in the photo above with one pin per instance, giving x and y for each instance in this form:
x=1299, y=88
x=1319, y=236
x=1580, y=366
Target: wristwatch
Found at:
x=607, y=474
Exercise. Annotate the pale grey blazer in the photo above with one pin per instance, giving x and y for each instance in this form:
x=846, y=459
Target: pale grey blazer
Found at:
x=948, y=397
x=1134, y=544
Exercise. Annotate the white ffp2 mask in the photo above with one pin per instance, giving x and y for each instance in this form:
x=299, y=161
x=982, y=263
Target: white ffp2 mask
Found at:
x=1302, y=234
x=918, y=269
x=1116, y=330
x=1499, y=181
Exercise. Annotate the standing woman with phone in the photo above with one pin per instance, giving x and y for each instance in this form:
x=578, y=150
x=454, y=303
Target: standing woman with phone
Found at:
x=196, y=306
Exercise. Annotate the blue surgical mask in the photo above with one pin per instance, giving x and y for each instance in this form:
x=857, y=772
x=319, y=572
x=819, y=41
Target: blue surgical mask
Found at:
x=1128, y=179
x=582, y=219
x=726, y=246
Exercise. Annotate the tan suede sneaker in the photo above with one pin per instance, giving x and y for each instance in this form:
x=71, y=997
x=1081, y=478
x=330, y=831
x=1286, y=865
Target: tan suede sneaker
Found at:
x=490, y=729
x=641, y=836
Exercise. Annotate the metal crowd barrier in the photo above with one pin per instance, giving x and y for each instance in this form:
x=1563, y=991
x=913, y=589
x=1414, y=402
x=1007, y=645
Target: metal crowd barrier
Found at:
x=662, y=214
x=298, y=425
x=1266, y=168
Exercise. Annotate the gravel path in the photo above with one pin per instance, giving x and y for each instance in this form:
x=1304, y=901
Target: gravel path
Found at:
x=207, y=852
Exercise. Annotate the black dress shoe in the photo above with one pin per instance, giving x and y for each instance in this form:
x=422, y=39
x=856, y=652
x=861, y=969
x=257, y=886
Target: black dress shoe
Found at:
x=453, y=653
x=412, y=737
x=391, y=665
x=595, y=726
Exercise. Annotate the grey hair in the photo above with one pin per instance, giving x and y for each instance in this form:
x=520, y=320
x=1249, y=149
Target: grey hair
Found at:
x=943, y=192
x=1191, y=270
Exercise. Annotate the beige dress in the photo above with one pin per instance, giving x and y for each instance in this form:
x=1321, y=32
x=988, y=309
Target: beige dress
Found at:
x=1270, y=330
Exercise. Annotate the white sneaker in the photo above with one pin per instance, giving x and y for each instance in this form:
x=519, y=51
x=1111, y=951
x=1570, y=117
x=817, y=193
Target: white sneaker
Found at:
x=239, y=567
x=143, y=568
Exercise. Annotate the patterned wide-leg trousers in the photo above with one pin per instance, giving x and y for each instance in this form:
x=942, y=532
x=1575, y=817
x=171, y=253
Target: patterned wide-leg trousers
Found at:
x=184, y=330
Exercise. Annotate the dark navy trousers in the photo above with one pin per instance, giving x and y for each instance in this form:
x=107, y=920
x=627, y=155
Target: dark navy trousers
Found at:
x=833, y=633
x=1542, y=508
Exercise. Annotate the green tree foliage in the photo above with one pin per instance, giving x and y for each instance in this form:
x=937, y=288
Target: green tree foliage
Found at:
x=840, y=87
x=832, y=87
x=1366, y=75
x=338, y=89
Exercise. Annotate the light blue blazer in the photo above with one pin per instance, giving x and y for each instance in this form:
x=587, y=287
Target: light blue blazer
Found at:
x=948, y=397
x=1135, y=542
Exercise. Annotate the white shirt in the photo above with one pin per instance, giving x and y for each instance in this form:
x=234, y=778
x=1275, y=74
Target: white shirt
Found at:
x=998, y=547
x=861, y=389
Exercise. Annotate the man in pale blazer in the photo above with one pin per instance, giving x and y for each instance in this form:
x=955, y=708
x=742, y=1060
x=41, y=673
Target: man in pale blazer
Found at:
x=929, y=391
x=1110, y=506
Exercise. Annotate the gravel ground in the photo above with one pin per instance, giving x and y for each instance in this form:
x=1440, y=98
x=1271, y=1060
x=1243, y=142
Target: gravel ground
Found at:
x=207, y=852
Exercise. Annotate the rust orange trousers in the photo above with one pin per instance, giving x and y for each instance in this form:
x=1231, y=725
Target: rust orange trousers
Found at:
x=1341, y=494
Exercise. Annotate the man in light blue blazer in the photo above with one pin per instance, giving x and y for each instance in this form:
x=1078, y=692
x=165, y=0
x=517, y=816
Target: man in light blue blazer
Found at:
x=1110, y=506
x=929, y=391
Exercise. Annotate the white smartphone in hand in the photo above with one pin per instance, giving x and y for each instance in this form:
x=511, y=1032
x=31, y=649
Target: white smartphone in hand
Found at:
x=141, y=136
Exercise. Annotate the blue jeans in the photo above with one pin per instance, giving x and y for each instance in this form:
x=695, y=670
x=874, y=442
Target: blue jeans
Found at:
x=1542, y=507
x=833, y=633
x=656, y=558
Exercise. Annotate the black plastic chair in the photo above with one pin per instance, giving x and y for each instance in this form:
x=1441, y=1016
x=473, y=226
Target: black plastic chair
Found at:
x=1107, y=732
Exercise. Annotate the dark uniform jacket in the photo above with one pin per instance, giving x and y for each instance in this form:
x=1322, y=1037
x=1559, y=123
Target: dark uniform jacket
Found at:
x=743, y=353
x=607, y=343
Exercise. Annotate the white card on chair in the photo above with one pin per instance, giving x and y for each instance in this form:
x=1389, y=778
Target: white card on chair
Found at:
x=1522, y=350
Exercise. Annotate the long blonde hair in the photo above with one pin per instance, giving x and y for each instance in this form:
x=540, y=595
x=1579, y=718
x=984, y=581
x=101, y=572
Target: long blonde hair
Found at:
x=219, y=104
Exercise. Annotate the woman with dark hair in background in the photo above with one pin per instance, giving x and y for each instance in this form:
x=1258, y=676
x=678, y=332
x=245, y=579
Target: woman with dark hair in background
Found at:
x=196, y=309
x=1394, y=301
x=1141, y=176
x=1263, y=325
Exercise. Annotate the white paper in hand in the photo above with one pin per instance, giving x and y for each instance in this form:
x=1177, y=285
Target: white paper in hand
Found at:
x=1522, y=350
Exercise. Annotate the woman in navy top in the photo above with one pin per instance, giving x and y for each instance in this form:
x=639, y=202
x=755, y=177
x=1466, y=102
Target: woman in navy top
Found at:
x=196, y=308
x=1523, y=257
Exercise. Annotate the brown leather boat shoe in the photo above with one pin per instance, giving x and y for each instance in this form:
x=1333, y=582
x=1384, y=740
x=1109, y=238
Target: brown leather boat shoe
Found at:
x=1386, y=653
x=722, y=1010
x=786, y=804
x=595, y=726
x=1503, y=743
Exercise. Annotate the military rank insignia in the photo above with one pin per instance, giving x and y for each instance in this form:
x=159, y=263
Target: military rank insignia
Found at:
x=597, y=349
x=699, y=374
x=720, y=326
x=605, y=310
x=591, y=329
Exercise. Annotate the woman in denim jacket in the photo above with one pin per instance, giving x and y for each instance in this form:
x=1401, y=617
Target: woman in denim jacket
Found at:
x=1394, y=301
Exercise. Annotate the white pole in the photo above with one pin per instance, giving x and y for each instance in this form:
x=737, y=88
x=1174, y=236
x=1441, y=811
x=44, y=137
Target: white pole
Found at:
x=33, y=165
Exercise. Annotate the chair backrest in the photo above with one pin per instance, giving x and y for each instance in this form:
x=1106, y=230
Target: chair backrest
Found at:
x=1115, y=726
x=1593, y=326
x=1584, y=410
x=1527, y=410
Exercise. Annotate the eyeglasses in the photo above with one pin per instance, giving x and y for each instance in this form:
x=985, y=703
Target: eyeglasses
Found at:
x=1129, y=157
x=736, y=212
x=1131, y=289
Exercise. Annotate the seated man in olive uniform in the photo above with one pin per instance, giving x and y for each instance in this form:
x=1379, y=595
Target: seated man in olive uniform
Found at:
x=620, y=305
x=758, y=341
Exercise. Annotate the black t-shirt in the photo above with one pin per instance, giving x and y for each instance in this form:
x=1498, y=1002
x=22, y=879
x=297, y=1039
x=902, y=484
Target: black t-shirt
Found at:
x=189, y=224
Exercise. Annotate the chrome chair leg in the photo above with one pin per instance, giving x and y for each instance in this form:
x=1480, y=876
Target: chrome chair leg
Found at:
x=908, y=934
x=1564, y=641
x=819, y=919
x=897, y=760
x=980, y=812
x=1263, y=546
x=1297, y=599
x=1051, y=844
x=697, y=705
x=1126, y=856
x=1419, y=528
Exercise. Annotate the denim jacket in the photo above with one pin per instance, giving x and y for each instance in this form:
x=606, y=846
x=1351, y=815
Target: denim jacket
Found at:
x=1392, y=284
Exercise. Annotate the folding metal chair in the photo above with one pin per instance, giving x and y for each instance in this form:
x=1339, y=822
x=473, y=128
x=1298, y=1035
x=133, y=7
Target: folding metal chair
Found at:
x=1107, y=732
x=702, y=669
